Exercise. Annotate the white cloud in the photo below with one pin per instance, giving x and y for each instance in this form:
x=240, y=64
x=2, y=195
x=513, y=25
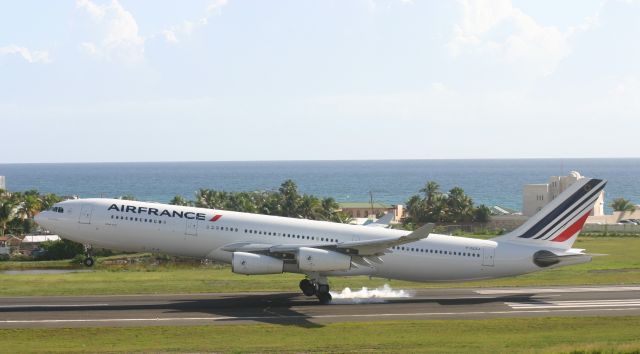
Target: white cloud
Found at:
x=173, y=33
x=170, y=36
x=119, y=38
x=216, y=5
x=31, y=56
x=90, y=48
x=497, y=29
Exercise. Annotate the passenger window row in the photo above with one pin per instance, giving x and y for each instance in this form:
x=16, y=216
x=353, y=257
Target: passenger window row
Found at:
x=287, y=235
x=432, y=251
x=222, y=228
x=131, y=218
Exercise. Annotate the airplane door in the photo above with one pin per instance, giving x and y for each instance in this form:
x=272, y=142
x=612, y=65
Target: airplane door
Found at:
x=192, y=227
x=488, y=254
x=85, y=214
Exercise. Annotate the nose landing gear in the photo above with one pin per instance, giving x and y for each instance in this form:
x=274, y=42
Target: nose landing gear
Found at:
x=318, y=287
x=88, y=260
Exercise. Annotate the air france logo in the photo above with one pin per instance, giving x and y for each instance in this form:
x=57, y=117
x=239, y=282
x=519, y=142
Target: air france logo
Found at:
x=162, y=212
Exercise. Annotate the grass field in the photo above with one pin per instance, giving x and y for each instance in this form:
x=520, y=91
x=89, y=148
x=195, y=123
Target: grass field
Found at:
x=587, y=335
x=620, y=266
x=554, y=334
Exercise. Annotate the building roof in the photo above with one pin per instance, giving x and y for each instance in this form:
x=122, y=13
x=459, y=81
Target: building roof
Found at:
x=40, y=238
x=365, y=205
x=500, y=210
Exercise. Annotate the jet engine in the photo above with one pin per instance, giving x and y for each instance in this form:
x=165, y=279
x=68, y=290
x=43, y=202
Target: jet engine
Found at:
x=254, y=264
x=319, y=260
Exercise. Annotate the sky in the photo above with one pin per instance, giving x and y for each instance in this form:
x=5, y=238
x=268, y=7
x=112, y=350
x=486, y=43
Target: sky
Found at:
x=226, y=80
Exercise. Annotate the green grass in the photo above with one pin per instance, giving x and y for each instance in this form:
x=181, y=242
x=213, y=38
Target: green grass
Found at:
x=527, y=335
x=20, y=265
x=620, y=266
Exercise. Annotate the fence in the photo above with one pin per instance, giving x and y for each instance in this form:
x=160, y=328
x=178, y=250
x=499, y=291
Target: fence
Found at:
x=612, y=228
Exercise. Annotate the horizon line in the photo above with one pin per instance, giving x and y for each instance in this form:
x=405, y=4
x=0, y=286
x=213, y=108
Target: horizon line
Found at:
x=323, y=160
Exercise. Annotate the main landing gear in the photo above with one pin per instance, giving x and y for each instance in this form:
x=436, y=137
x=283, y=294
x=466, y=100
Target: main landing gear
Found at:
x=318, y=287
x=88, y=260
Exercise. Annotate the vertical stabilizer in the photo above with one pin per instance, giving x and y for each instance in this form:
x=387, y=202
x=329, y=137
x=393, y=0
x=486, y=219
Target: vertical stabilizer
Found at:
x=558, y=224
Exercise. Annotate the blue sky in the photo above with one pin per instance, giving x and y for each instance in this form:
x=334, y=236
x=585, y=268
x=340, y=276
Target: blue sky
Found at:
x=294, y=80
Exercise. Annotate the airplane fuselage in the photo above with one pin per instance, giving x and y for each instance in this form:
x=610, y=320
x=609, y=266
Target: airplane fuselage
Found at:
x=202, y=233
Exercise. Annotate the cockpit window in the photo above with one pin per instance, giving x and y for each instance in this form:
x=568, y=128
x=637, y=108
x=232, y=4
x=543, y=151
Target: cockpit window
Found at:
x=57, y=209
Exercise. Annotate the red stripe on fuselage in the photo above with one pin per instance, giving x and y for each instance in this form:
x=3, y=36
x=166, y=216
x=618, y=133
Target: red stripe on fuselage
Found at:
x=573, y=229
x=216, y=217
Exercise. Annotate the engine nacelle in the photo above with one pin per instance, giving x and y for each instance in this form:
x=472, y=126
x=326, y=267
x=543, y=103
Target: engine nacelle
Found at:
x=253, y=264
x=318, y=260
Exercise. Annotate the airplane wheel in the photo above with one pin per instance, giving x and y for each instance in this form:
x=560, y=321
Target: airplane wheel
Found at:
x=324, y=298
x=88, y=262
x=307, y=287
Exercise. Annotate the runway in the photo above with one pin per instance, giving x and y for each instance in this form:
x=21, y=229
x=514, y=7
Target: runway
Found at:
x=294, y=308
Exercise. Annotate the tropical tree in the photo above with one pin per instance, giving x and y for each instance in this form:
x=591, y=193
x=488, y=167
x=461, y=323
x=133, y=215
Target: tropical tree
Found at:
x=127, y=197
x=416, y=209
x=435, y=206
x=180, y=200
x=329, y=208
x=482, y=213
x=7, y=213
x=341, y=217
x=431, y=192
x=29, y=206
x=310, y=207
x=459, y=206
x=621, y=204
x=290, y=198
x=48, y=200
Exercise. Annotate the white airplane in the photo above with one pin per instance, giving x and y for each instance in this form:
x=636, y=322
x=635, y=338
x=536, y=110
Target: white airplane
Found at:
x=260, y=244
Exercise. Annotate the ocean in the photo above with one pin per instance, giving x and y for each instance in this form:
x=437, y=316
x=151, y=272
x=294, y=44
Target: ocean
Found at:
x=490, y=182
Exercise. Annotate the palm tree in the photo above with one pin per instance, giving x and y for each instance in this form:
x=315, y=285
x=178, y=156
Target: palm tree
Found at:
x=180, y=200
x=341, y=217
x=7, y=213
x=459, y=206
x=290, y=198
x=431, y=192
x=329, y=208
x=127, y=197
x=48, y=200
x=482, y=213
x=416, y=209
x=434, y=203
x=31, y=205
x=621, y=204
x=310, y=207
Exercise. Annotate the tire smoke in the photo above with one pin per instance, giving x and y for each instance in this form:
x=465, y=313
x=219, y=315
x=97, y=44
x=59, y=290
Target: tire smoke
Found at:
x=367, y=296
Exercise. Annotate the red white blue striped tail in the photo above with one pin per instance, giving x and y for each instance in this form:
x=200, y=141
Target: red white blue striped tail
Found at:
x=558, y=224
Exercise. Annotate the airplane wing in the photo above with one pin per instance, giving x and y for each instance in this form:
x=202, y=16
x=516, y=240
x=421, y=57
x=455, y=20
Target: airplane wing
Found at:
x=368, y=248
x=383, y=221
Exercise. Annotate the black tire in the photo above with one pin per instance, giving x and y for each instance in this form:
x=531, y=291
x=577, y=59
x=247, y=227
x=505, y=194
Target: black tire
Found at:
x=88, y=262
x=324, y=298
x=307, y=287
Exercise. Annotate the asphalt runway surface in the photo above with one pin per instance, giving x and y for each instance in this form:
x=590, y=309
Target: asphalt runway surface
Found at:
x=294, y=308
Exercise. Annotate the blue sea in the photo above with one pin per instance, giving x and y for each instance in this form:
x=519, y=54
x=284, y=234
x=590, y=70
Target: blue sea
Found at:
x=490, y=182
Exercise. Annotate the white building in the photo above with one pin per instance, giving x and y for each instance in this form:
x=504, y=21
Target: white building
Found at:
x=536, y=196
x=2, y=183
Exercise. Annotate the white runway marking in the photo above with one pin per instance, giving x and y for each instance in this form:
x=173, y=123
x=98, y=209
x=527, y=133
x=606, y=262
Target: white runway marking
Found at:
x=48, y=305
x=557, y=290
x=262, y=318
x=574, y=304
